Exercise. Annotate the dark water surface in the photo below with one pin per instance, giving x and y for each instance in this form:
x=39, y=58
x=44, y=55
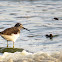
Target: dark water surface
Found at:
x=37, y=16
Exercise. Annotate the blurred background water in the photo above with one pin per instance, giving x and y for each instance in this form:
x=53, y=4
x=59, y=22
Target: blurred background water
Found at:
x=37, y=16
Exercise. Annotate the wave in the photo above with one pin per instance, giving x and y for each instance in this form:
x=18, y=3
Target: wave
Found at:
x=31, y=57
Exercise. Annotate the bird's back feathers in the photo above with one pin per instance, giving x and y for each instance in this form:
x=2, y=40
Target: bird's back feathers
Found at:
x=9, y=31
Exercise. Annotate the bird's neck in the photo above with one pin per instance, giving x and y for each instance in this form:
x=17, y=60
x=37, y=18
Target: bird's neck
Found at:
x=19, y=28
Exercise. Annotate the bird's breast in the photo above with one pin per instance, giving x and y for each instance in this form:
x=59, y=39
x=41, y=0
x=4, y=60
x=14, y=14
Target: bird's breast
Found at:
x=12, y=37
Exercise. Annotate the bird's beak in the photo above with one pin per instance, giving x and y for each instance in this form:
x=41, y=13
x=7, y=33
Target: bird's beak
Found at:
x=26, y=29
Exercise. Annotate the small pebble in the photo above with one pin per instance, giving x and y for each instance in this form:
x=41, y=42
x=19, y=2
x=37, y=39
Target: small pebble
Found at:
x=49, y=36
x=55, y=18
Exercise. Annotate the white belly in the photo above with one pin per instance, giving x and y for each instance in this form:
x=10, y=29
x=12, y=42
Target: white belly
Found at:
x=12, y=37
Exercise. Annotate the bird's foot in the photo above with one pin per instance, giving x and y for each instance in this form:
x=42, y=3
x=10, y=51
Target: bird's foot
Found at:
x=13, y=46
x=7, y=46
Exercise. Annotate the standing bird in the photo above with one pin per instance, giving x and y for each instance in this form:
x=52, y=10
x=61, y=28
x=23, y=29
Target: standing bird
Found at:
x=11, y=34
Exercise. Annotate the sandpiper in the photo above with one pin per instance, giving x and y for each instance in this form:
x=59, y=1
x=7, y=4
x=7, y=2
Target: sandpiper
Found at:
x=11, y=34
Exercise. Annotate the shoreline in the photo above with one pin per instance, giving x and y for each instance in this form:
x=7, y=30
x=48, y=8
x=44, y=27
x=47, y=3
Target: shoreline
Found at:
x=31, y=57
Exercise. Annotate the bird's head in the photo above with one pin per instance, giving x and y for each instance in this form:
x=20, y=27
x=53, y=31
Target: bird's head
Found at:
x=20, y=26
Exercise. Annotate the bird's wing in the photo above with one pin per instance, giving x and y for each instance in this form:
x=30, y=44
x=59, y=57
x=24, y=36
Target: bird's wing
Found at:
x=10, y=31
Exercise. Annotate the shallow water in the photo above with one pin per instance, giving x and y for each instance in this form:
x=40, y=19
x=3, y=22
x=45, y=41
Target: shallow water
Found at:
x=37, y=16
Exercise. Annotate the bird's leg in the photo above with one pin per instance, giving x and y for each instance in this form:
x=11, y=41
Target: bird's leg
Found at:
x=13, y=44
x=7, y=44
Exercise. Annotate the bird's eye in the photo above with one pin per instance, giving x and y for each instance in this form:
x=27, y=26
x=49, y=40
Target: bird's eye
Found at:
x=19, y=25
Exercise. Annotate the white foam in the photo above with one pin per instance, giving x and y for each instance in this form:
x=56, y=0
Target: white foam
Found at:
x=31, y=57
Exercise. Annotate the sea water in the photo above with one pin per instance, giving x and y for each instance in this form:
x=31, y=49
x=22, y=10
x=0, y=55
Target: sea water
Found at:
x=37, y=16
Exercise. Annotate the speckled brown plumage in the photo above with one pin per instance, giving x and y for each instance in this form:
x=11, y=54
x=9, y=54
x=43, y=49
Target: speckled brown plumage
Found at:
x=9, y=31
